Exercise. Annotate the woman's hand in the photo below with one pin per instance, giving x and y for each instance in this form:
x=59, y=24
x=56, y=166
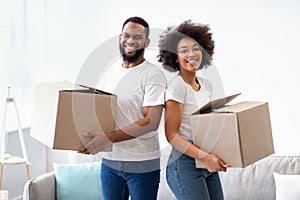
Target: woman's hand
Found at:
x=213, y=163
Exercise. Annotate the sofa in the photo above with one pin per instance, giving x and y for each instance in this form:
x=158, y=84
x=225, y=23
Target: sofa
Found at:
x=254, y=182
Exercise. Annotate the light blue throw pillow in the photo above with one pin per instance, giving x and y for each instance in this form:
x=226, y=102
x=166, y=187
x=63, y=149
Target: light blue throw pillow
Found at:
x=78, y=181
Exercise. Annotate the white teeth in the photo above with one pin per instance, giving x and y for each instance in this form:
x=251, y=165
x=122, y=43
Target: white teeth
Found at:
x=130, y=47
x=191, y=61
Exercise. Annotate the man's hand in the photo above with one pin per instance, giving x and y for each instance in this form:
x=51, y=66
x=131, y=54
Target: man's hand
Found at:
x=97, y=143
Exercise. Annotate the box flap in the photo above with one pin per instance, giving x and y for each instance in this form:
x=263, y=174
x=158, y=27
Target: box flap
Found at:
x=61, y=85
x=240, y=107
x=90, y=90
x=68, y=86
x=217, y=103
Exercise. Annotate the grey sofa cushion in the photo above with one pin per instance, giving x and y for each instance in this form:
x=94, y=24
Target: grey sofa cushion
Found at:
x=256, y=181
x=42, y=187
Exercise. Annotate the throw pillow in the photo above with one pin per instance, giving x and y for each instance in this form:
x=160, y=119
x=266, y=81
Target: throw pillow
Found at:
x=78, y=181
x=287, y=186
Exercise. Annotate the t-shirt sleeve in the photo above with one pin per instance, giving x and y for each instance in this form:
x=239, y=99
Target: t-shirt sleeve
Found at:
x=154, y=89
x=175, y=91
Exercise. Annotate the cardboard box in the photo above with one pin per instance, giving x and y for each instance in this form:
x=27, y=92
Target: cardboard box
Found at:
x=64, y=111
x=239, y=134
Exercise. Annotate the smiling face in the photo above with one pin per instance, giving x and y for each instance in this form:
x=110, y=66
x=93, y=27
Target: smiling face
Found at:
x=189, y=54
x=133, y=42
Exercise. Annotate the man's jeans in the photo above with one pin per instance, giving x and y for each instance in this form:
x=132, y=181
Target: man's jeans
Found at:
x=139, y=179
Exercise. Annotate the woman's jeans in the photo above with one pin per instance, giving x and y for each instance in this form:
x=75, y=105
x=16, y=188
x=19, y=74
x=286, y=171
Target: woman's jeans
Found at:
x=139, y=179
x=190, y=183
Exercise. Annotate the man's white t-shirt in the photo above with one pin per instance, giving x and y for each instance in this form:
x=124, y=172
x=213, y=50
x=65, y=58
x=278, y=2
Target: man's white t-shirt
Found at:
x=191, y=100
x=136, y=87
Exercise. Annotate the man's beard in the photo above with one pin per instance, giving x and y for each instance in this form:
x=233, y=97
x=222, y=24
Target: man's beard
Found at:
x=131, y=59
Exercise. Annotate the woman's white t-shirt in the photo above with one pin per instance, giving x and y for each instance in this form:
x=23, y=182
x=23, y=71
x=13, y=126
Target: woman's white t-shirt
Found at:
x=191, y=100
x=136, y=87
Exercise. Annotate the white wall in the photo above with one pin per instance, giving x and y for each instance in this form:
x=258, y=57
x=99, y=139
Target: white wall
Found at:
x=256, y=46
x=15, y=176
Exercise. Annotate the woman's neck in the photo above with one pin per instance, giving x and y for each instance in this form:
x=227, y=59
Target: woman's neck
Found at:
x=190, y=78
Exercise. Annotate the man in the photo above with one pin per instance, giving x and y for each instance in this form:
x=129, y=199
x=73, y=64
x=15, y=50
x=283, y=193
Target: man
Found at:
x=132, y=167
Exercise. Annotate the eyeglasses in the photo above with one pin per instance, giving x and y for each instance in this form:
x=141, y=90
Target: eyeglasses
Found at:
x=185, y=51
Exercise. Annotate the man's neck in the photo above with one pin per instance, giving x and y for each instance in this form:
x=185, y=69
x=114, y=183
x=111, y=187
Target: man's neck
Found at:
x=127, y=64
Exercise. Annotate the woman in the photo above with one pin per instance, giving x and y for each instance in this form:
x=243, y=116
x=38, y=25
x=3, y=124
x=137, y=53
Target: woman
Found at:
x=186, y=49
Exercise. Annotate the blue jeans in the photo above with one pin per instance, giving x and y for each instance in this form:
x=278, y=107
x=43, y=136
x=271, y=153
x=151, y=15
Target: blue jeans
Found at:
x=190, y=183
x=121, y=179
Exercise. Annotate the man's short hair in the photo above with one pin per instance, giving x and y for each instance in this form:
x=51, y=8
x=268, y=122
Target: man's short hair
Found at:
x=140, y=21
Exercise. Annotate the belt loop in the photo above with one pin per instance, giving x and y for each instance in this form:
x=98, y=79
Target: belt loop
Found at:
x=122, y=166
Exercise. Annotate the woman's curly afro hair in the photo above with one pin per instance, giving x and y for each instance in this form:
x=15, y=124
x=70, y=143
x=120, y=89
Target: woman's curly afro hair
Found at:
x=170, y=38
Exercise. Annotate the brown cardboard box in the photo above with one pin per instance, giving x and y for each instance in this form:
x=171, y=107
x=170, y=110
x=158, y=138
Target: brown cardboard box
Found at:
x=239, y=134
x=64, y=111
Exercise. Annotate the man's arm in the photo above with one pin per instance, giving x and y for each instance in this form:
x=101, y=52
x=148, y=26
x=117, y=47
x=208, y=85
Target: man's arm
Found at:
x=150, y=122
